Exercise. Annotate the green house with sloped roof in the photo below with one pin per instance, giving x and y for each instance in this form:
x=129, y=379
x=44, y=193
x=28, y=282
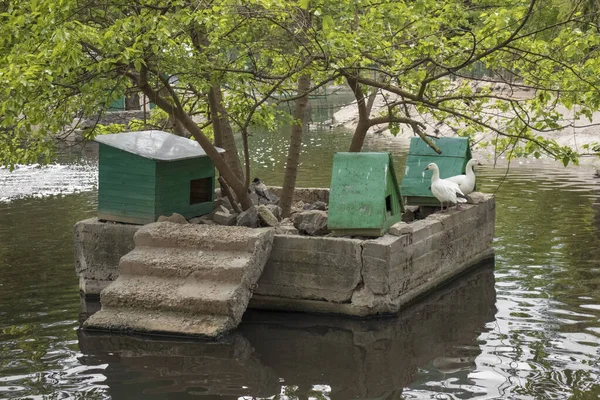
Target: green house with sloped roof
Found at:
x=416, y=182
x=143, y=175
x=364, y=197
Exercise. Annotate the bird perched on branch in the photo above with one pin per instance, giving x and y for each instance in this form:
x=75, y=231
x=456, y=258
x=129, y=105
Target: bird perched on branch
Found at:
x=466, y=182
x=447, y=192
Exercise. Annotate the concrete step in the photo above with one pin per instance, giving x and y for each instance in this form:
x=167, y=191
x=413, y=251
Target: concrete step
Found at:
x=185, y=295
x=174, y=262
x=159, y=321
x=201, y=237
x=185, y=279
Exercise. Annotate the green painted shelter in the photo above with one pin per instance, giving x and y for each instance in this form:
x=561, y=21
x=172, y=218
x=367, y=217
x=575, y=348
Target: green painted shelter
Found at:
x=364, y=198
x=416, y=182
x=143, y=175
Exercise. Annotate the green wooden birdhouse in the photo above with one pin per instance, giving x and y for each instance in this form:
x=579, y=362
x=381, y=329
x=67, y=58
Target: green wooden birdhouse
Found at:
x=143, y=175
x=364, y=198
x=416, y=183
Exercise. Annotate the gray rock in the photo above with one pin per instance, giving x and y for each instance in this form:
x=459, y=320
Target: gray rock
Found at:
x=400, y=228
x=410, y=213
x=224, y=201
x=248, y=218
x=287, y=221
x=317, y=205
x=177, y=218
x=299, y=206
x=223, y=218
x=426, y=211
x=218, y=208
x=320, y=205
x=312, y=223
x=203, y=220
x=286, y=230
x=275, y=210
x=267, y=216
x=475, y=198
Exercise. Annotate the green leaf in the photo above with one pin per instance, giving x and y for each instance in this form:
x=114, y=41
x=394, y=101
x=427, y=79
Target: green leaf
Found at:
x=327, y=22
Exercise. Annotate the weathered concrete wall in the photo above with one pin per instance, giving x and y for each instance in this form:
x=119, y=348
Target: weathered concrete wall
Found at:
x=184, y=279
x=390, y=271
x=359, y=359
x=98, y=248
x=332, y=275
x=301, y=267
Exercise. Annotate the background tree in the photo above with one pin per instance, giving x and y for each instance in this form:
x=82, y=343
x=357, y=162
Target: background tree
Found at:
x=204, y=64
x=425, y=54
x=219, y=67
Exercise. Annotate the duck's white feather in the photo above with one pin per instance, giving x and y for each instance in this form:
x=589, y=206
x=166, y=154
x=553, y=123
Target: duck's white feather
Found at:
x=466, y=182
x=445, y=190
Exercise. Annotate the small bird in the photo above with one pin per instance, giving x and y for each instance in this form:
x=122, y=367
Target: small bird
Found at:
x=260, y=189
x=447, y=192
x=466, y=182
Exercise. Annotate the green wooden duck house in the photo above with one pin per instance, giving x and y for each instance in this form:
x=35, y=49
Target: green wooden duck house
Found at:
x=143, y=175
x=416, y=183
x=364, y=198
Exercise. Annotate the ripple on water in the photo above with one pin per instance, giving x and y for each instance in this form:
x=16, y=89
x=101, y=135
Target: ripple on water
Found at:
x=41, y=181
x=538, y=338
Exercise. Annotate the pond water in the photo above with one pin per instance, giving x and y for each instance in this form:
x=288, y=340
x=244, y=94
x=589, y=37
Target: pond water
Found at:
x=526, y=327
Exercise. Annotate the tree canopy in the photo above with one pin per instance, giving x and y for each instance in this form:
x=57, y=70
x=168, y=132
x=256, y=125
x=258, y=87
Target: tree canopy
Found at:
x=439, y=59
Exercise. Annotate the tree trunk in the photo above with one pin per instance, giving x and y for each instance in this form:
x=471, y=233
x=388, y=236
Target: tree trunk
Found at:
x=236, y=184
x=132, y=101
x=223, y=132
x=363, y=115
x=238, y=187
x=293, y=159
x=358, y=139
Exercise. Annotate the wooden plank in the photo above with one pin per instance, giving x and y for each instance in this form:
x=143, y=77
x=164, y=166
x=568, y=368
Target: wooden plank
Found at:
x=127, y=170
x=128, y=201
x=139, y=193
x=123, y=183
x=130, y=219
x=358, y=191
x=110, y=204
x=451, y=147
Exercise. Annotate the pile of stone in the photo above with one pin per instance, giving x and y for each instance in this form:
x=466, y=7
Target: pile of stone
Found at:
x=305, y=218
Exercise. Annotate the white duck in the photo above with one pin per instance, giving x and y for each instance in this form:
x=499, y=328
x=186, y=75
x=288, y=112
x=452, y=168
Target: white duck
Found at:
x=446, y=191
x=466, y=182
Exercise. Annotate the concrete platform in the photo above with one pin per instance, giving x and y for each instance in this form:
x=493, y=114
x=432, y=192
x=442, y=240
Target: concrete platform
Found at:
x=352, y=276
x=184, y=279
x=373, y=358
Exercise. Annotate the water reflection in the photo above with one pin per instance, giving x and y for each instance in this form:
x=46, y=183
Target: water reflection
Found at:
x=301, y=355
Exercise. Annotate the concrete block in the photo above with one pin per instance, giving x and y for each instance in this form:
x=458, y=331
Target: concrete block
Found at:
x=201, y=237
x=177, y=218
x=98, y=248
x=321, y=268
x=178, y=289
x=400, y=228
x=379, y=256
x=425, y=228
